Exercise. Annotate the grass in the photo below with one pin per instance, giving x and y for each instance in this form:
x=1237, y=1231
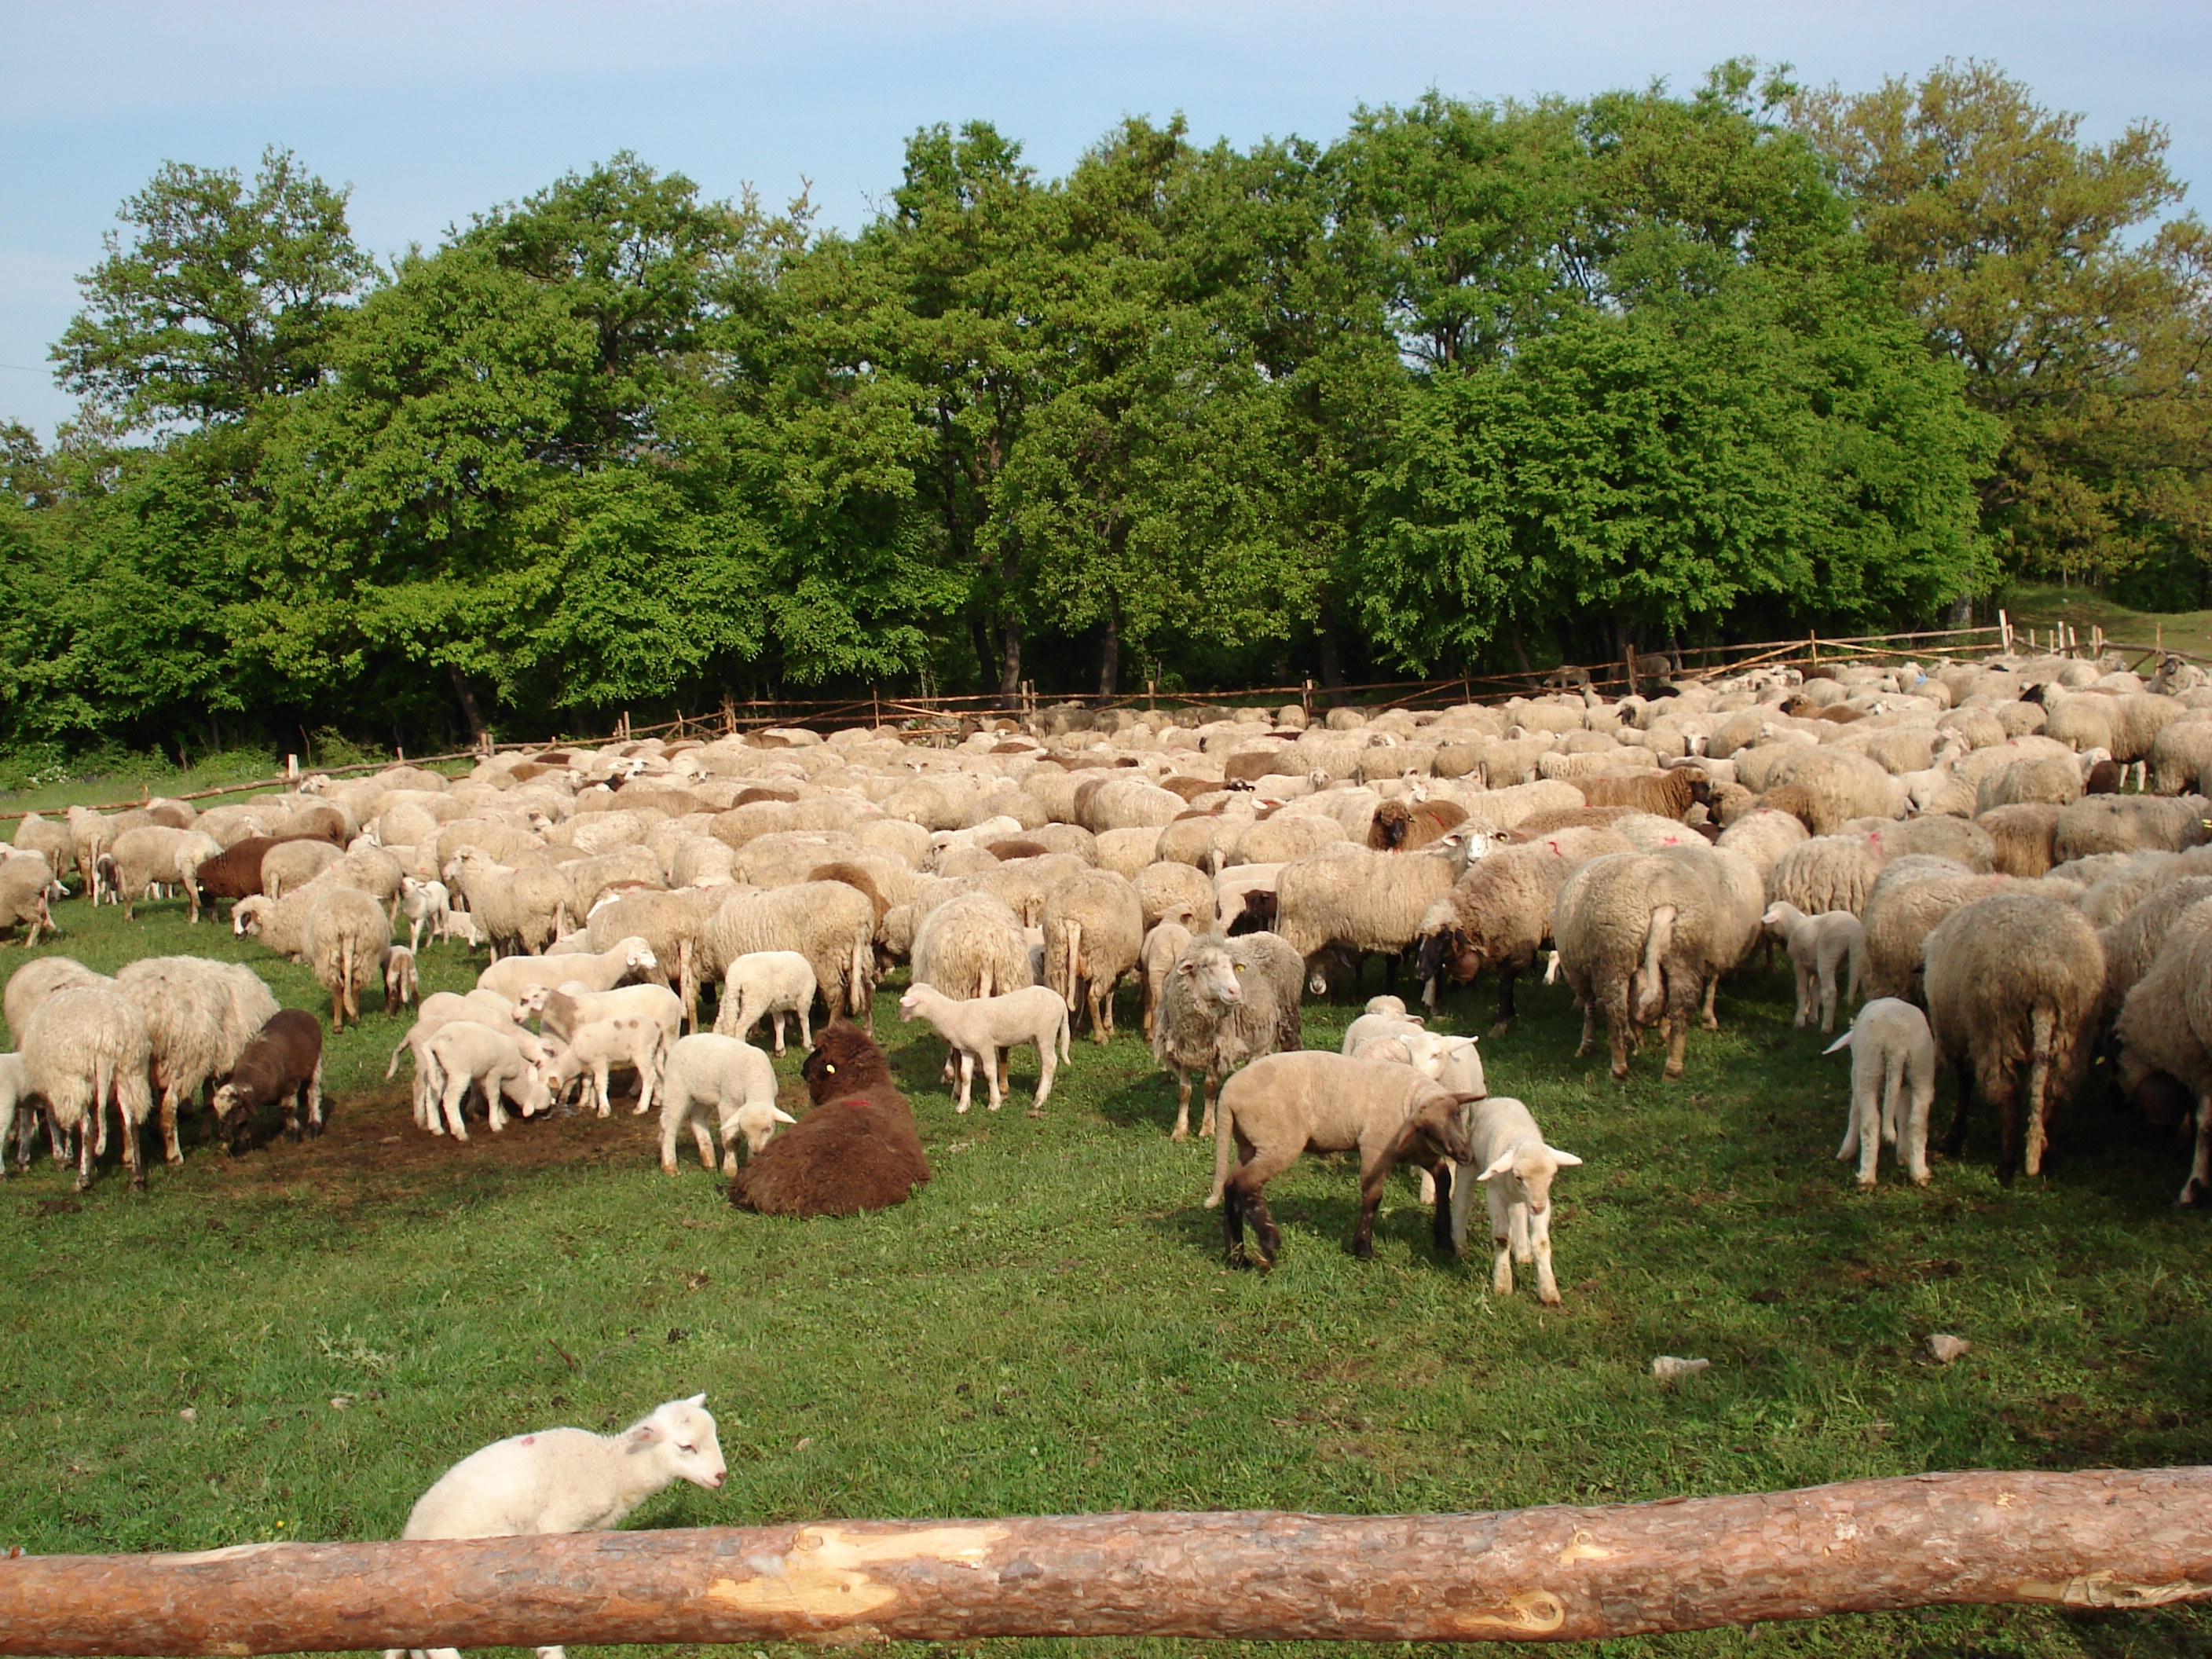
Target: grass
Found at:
x=2038, y=605
x=1048, y=1326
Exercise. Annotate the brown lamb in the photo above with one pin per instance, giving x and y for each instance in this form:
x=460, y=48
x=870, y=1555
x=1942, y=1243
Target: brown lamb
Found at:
x=1667, y=794
x=857, y=1150
x=1003, y=850
x=283, y=1063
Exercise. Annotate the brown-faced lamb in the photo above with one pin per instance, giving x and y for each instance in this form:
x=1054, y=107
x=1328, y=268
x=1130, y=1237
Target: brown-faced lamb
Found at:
x=856, y=1151
x=85, y=1048
x=1498, y=915
x=979, y=1030
x=1094, y=926
x=284, y=1064
x=1284, y=1105
x=2014, y=984
x=1515, y=1167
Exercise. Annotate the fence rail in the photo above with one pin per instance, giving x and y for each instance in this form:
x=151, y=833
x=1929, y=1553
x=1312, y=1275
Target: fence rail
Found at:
x=2104, y=1539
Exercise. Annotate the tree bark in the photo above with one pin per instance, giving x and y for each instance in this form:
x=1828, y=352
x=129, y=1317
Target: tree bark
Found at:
x=467, y=699
x=1332, y=660
x=2103, y=1539
x=1009, y=655
x=1109, y=656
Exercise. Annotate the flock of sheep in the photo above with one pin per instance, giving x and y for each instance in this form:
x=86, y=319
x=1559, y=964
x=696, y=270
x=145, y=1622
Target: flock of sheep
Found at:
x=1957, y=840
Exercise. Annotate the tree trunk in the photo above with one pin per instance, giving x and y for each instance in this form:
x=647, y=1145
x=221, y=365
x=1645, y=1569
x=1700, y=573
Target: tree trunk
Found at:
x=2102, y=1539
x=1009, y=655
x=1109, y=655
x=986, y=665
x=1520, y=650
x=470, y=712
x=1332, y=660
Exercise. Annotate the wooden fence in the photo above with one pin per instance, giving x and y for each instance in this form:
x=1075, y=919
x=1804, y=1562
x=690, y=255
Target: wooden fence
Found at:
x=2102, y=1539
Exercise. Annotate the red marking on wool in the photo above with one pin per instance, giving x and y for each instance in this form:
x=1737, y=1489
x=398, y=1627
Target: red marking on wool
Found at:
x=529, y=1439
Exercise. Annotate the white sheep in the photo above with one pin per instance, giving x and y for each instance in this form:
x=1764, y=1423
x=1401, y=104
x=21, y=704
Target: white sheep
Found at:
x=597, y=970
x=1892, y=1087
x=85, y=1046
x=978, y=1028
x=1818, y=946
x=13, y=1091
x=632, y=1042
x=1515, y=1167
x=460, y=924
x=441, y=1009
x=733, y=1079
x=979, y=835
x=426, y=904
x=403, y=986
x=774, y=984
x=465, y=1056
x=563, y=1480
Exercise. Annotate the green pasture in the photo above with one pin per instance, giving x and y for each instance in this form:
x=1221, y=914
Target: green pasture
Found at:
x=1049, y=1326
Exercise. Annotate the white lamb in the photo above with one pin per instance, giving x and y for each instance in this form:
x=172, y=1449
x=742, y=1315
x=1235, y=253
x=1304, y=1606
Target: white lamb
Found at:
x=1515, y=1168
x=561, y=1480
x=1892, y=1068
x=465, y=1056
x=775, y=983
x=1818, y=946
x=632, y=1043
x=735, y=1081
x=12, y=1091
x=1001, y=828
x=426, y=904
x=980, y=1027
x=597, y=970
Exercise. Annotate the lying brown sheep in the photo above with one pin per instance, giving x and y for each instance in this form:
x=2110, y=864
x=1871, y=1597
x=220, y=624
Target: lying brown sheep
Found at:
x=856, y=1151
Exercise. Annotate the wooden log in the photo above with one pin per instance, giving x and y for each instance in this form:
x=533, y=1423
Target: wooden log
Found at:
x=2106, y=1539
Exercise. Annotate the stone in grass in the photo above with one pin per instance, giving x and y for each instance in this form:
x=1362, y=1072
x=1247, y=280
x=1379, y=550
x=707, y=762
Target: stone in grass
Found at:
x=1943, y=1349
x=1668, y=1368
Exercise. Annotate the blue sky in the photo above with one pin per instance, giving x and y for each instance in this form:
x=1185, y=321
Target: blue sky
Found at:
x=431, y=111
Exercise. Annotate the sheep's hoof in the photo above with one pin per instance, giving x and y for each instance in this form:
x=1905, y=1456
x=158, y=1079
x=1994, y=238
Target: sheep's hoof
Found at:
x=2005, y=1171
x=174, y=1160
x=1036, y=1111
x=1549, y=1298
x=1671, y=1070
x=315, y=1131
x=1710, y=1023
x=138, y=1182
x=1620, y=1072
x=2192, y=1195
x=1364, y=1249
x=1181, y=1132
x=1866, y=1186
x=1501, y=1028
x=292, y=1134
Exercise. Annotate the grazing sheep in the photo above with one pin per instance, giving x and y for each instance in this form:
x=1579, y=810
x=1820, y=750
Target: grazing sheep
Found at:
x=52, y=841
x=1515, y=1166
x=403, y=986
x=1215, y=1014
x=465, y=1056
x=83, y=1047
x=154, y=854
x=632, y=1043
x=2015, y=983
x=1892, y=1087
x=200, y=1016
x=1635, y=934
x=1348, y=899
x=441, y=1009
x=980, y=1028
x=2047, y=779
x=2132, y=943
x=734, y=1080
x=290, y=864
x=37, y=980
x=2165, y=1036
x=972, y=946
x=518, y=909
x=347, y=939
x=599, y=970
x=1818, y=945
x=1499, y=914
x=26, y=885
x=2129, y=823
x=670, y=924
x=1284, y=1105
x=857, y=1149
x=767, y=983
x=1828, y=872
x=1913, y=895
x=1094, y=926
x=563, y=1480
x=283, y=1063
x=91, y=836
x=1836, y=786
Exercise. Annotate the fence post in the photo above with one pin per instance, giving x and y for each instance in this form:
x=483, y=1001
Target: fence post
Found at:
x=2004, y=632
x=292, y=767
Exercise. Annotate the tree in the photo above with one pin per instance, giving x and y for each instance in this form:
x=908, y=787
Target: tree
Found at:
x=224, y=296
x=2022, y=252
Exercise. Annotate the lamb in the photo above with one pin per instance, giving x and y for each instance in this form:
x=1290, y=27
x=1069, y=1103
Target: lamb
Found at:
x=567, y=1009
x=25, y=888
x=200, y=1017
x=84, y=1047
x=1094, y=926
x=563, y=1480
x=442, y=1009
x=1215, y=1014
x=1818, y=945
x=1515, y=1166
x=857, y=1149
x=347, y=939
x=14, y=1091
x=735, y=1081
x=152, y=854
x=602, y=970
x=2014, y=984
x=1283, y=1105
x=1892, y=1086
x=767, y=983
x=465, y=1056
x=426, y=904
x=402, y=984
x=631, y=1041
x=283, y=1062
x=980, y=1028
x=1156, y=957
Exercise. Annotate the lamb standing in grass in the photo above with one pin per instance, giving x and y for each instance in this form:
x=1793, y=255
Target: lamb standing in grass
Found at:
x=774, y=984
x=1818, y=946
x=466, y=1055
x=631, y=1041
x=563, y=1480
x=979, y=1027
x=1892, y=1087
x=733, y=1079
x=1515, y=1167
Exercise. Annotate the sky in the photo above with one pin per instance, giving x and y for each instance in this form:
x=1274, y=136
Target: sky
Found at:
x=431, y=111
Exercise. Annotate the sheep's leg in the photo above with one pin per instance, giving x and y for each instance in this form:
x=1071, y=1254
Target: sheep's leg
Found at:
x=1954, y=1142
x=1588, y=1045
x=1804, y=993
x=292, y=1113
x=1048, y=1064
x=2198, y=1187
x=1464, y=1187
x=315, y=1101
x=1827, y=986
x=1212, y=1100
x=1440, y=1225
x=1374, y=1177
x=966, y=1071
x=1616, y=1030
x=1501, y=1236
x=87, y=1153
x=129, y=1131
x=1678, y=1037
x=805, y=1033
x=1101, y=1014
x=705, y=1142
x=775, y=1018
x=455, y=1091
x=495, y=1094
x=1539, y=1241
x=1232, y=1223
x=1182, y=1130
x=173, y=1150
x=1506, y=976
x=1265, y=1234
x=1711, y=1020
x=648, y=1076
x=1912, y=1133
x=994, y=1075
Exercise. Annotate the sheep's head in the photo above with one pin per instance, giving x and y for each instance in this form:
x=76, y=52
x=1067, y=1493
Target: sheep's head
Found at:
x=1530, y=1166
x=758, y=1121
x=1393, y=818
x=1259, y=914
x=680, y=1437
x=247, y=914
x=1448, y=950
x=1436, y=1119
x=910, y=1004
x=1214, y=975
x=638, y=956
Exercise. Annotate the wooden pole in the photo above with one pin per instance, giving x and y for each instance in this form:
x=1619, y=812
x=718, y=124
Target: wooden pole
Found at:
x=2102, y=1539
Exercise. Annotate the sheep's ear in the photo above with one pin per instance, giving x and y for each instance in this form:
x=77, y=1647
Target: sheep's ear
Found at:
x=646, y=1433
x=695, y=1400
x=1564, y=1160
x=781, y=1116
x=1502, y=1165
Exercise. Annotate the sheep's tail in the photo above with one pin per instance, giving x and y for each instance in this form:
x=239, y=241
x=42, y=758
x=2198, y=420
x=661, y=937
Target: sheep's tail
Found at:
x=1224, y=1147
x=1074, y=956
x=856, y=996
x=1651, y=990
x=1843, y=1042
x=392, y=1068
x=2042, y=1028
x=1892, y=1086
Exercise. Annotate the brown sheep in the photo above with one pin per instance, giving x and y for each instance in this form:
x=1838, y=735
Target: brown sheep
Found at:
x=1005, y=850
x=283, y=1062
x=1667, y=794
x=1398, y=828
x=747, y=796
x=857, y=1150
x=855, y=877
x=1191, y=788
x=2024, y=838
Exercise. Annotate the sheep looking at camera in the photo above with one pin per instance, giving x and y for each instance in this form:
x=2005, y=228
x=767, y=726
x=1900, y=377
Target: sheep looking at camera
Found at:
x=1218, y=1011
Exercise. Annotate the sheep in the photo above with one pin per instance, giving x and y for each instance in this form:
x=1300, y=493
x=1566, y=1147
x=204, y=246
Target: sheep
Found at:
x=84, y=1047
x=770, y=984
x=2127, y=823
x=1499, y=915
x=980, y=1028
x=441, y=1009
x=289, y=864
x=1215, y=1014
x=347, y=939
x=830, y=923
x=564, y=1481
x=1818, y=945
x=2132, y=943
x=2177, y=758
x=426, y=904
x=2048, y=779
x=37, y=980
x=283, y=1062
x=1094, y=926
x=631, y=1041
x=1408, y=827
x=1353, y=900
x=599, y=970
x=152, y=854
x=1164, y=887
x=465, y=1056
x=91, y=836
x=2015, y=982
x=402, y=983
x=857, y=1149
x=1667, y=794
x=1156, y=957
x=26, y=885
x=670, y=924
x=971, y=946
x=200, y=1016
x=2165, y=1033
x=567, y=1009
x=1912, y=895
x=52, y=841
x=1837, y=786
x=519, y=910
x=1828, y=872
x=1515, y=1166
x=1892, y=1087
x=1283, y=1105
x=1963, y=840
x=735, y=1081
x=2023, y=839
x=1635, y=934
